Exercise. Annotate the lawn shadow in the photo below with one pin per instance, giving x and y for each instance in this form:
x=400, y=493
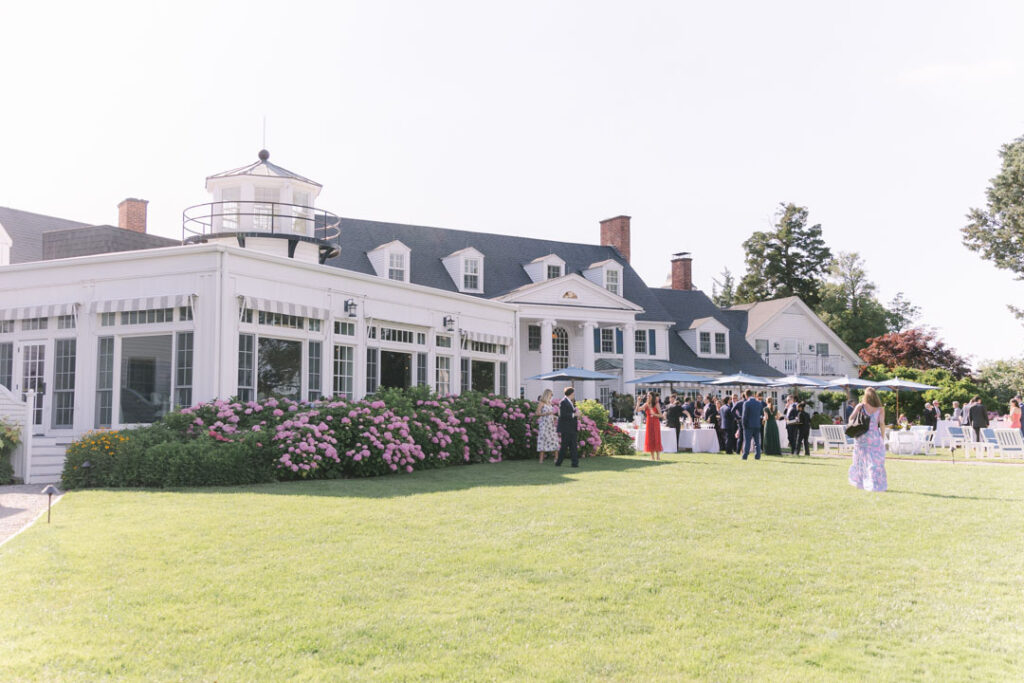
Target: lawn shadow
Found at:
x=9, y=511
x=799, y=460
x=949, y=495
x=455, y=478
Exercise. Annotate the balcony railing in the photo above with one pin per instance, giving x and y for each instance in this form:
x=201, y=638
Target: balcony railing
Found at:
x=243, y=219
x=806, y=363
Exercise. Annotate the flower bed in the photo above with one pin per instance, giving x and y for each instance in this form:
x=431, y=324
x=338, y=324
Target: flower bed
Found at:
x=230, y=442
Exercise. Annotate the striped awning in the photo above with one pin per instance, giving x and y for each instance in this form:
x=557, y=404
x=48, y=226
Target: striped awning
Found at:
x=37, y=311
x=486, y=337
x=142, y=303
x=284, y=307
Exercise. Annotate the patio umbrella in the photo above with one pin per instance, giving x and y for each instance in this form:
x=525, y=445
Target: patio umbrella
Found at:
x=798, y=381
x=848, y=383
x=671, y=377
x=896, y=384
x=573, y=374
x=742, y=379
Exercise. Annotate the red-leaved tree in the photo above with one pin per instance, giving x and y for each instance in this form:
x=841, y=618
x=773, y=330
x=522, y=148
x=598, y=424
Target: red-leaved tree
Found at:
x=914, y=348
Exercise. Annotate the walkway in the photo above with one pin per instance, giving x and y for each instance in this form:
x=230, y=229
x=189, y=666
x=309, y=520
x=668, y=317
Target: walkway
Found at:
x=19, y=505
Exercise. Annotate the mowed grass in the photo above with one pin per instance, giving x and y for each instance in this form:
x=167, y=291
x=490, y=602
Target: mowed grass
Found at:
x=701, y=566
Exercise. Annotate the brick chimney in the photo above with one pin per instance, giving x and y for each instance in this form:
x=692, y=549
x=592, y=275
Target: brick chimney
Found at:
x=682, y=271
x=131, y=215
x=615, y=233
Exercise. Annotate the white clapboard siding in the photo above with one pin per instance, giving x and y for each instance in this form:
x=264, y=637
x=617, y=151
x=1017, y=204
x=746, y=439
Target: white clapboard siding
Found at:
x=47, y=461
x=15, y=411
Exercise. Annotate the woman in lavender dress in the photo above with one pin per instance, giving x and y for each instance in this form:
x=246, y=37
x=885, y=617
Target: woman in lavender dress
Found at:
x=868, y=469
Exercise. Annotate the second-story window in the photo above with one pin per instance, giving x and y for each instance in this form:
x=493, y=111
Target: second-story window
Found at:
x=554, y=271
x=611, y=281
x=640, y=342
x=471, y=274
x=263, y=210
x=720, y=343
x=607, y=340
x=229, y=207
x=396, y=267
x=705, y=342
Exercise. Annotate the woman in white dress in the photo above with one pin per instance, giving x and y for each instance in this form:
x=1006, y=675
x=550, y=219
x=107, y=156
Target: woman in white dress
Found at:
x=547, y=435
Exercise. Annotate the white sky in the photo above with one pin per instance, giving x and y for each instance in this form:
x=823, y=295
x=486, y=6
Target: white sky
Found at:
x=884, y=118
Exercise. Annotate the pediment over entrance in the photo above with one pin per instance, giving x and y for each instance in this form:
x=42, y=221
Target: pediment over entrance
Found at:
x=569, y=290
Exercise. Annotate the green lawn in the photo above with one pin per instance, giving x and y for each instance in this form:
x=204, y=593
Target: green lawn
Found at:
x=701, y=566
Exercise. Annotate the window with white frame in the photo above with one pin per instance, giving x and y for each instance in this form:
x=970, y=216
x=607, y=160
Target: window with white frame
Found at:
x=720, y=343
x=554, y=272
x=64, y=357
x=611, y=280
x=607, y=340
x=263, y=210
x=533, y=337
x=230, y=197
x=443, y=382
x=344, y=370
x=471, y=274
x=559, y=349
x=396, y=266
x=705, y=342
x=640, y=341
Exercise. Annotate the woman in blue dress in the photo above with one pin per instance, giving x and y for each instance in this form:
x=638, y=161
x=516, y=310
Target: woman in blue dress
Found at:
x=868, y=469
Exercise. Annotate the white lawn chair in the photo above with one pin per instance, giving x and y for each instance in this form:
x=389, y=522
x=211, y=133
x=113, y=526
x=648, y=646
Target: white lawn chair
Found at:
x=957, y=438
x=835, y=438
x=816, y=438
x=1011, y=444
x=926, y=442
x=975, y=448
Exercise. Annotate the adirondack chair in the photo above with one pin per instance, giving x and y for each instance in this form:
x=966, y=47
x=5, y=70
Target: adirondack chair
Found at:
x=836, y=439
x=1011, y=443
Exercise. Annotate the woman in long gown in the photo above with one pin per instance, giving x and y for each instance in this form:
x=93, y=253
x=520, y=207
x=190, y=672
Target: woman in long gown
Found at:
x=547, y=435
x=652, y=435
x=1015, y=415
x=772, y=443
x=868, y=468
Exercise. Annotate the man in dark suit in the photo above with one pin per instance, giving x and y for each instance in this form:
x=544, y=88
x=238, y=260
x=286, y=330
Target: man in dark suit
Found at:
x=710, y=414
x=753, y=412
x=792, y=423
x=978, y=417
x=568, y=429
x=737, y=412
x=847, y=411
x=803, y=430
x=727, y=427
x=672, y=415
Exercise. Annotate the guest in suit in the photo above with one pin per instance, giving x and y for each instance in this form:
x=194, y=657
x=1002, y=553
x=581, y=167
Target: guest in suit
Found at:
x=737, y=411
x=978, y=417
x=710, y=411
x=928, y=416
x=727, y=427
x=568, y=429
x=847, y=410
x=753, y=412
x=688, y=409
x=803, y=429
x=938, y=413
x=672, y=415
x=792, y=424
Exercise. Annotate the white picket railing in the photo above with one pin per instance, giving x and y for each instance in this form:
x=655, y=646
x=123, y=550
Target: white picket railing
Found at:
x=17, y=411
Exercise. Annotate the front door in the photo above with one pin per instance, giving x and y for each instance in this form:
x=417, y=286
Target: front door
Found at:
x=33, y=376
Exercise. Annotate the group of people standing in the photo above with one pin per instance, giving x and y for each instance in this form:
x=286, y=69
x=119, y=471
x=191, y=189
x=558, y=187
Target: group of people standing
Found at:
x=561, y=436
x=740, y=422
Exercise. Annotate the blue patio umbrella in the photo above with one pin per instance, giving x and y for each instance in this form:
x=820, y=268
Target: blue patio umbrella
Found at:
x=896, y=384
x=742, y=379
x=671, y=377
x=572, y=374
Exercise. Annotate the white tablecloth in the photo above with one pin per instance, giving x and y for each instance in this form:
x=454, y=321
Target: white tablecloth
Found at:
x=668, y=439
x=942, y=432
x=699, y=440
x=904, y=442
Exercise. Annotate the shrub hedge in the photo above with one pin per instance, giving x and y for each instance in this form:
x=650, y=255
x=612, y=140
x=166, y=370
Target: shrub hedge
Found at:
x=234, y=443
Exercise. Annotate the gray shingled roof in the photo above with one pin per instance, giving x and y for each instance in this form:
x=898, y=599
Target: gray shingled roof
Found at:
x=26, y=231
x=99, y=239
x=504, y=258
x=685, y=306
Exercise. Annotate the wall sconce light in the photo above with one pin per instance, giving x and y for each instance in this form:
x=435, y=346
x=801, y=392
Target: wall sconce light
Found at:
x=448, y=323
x=351, y=307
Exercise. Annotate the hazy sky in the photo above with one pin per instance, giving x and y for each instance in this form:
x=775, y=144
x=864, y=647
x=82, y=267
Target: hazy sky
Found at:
x=542, y=118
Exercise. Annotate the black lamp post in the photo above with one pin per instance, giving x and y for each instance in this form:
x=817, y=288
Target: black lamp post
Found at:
x=49, y=491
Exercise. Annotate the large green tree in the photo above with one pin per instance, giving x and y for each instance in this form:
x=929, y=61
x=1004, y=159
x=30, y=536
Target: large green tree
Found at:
x=902, y=314
x=848, y=304
x=1004, y=379
x=791, y=259
x=997, y=231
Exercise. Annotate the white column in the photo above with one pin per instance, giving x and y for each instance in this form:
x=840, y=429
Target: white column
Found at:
x=588, y=357
x=456, y=371
x=628, y=357
x=547, y=328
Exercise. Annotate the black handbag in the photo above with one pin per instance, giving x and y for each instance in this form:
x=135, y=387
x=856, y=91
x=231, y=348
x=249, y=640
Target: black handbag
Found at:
x=859, y=423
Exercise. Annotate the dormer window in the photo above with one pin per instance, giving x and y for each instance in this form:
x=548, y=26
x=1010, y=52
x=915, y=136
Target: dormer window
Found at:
x=708, y=338
x=554, y=271
x=606, y=274
x=396, y=267
x=705, y=343
x=471, y=274
x=611, y=280
x=543, y=268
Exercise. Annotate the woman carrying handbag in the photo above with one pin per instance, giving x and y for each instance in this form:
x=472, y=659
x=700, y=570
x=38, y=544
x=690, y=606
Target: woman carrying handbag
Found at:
x=868, y=468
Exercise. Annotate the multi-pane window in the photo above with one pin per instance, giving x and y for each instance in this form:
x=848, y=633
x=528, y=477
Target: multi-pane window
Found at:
x=7, y=364
x=822, y=349
x=104, y=382
x=471, y=274
x=443, y=342
x=396, y=267
x=421, y=338
x=466, y=379
x=183, y=374
x=344, y=370
x=153, y=315
x=503, y=378
x=245, y=316
x=263, y=210
x=371, y=332
x=245, y=367
x=34, y=324
x=705, y=342
x=554, y=271
x=63, y=383
x=292, y=322
x=761, y=346
x=33, y=366
x=611, y=280
x=607, y=340
x=65, y=322
x=483, y=347
x=185, y=313
x=720, y=343
x=640, y=341
x=394, y=334
x=315, y=324
x=313, y=352
x=605, y=397
x=229, y=207
x=421, y=369
x=560, y=349
x=443, y=384
x=344, y=328
x=371, y=370
x=6, y=326
x=533, y=337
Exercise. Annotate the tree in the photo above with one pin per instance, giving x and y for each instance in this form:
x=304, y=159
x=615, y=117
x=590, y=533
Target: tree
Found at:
x=1004, y=379
x=911, y=403
x=723, y=293
x=789, y=260
x=997, y=232
x=901, y=314
x=848, y=304
x=914, y=348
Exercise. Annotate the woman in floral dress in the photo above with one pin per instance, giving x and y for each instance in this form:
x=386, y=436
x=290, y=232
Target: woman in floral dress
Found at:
x=868, y=469
x=547, y=435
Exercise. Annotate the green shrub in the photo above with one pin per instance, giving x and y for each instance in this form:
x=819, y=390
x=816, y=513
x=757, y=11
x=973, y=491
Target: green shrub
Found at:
x=10, y=437
x=821, y=419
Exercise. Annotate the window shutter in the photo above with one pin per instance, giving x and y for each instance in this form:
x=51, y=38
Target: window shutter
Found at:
x=618, y=341
x=652, y=347
x=597, y=340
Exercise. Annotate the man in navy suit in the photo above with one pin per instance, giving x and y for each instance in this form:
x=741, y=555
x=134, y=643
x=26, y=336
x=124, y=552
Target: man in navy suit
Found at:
x=737, y=414
x=753, y=410
x=568, y=429
x=727, y=427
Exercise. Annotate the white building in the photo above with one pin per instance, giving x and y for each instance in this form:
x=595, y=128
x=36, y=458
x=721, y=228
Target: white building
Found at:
x=270, y=295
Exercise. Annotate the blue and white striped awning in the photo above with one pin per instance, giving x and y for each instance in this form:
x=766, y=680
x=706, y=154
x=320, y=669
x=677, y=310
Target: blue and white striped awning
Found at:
x=141, y=303
x=37, y=311
x=285, y=307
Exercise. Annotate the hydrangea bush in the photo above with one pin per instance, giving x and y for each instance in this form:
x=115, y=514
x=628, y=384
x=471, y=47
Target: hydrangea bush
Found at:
x=394, y=431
